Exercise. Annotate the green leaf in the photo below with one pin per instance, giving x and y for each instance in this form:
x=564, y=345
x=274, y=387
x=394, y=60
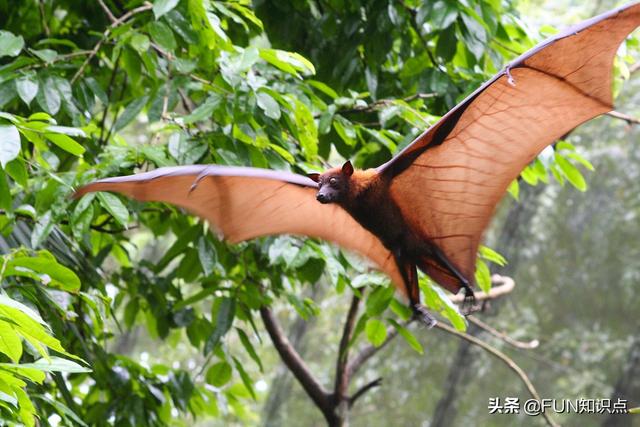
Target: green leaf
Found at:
x=345, y=130
x=160, y=7
x=376, y=332
x=115, y=207
x=56, y=364
x=207, y=255
x=246, y=380
x=514, y=189
x=289, y=62
x=46, y=55
x=49, y=98
x=10, y=45
x=140, y=42
x=219, y=374
x=6, y=200
x=162, y=34
x=307, y=131
x=130, y=113
x=9, y=144
x=491, y=255
x=571, y=172
x=10, y=342
x=17, y=170
x=44, y=225
x=246, y=343
x=408, y=336
x=224, y=320
x=447, y=42
x=60, y=276
x=483, y=276
x=268, y=105
x=65, y=142
x=27, y=88
x=379, y=300
x=16, y=305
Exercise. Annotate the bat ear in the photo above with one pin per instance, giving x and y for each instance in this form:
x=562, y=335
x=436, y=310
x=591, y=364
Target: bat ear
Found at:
x=347, y=168
x=314, y=176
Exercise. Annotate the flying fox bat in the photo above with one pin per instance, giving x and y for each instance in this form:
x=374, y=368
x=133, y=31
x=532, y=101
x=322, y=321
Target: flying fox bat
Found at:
x=428, y=206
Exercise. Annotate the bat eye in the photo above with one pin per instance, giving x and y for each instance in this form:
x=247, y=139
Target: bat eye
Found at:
x=333, y=181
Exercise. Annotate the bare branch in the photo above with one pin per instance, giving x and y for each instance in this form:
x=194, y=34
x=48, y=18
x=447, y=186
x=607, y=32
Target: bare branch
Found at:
x=367, y=351
x=629, y=119
x=105, y=35
x=375, y=383
x=104, y=7
x=504, y=358
x=505, y=285
x=635, y=67
x=43, y=18
x=296, y=365
x=342, y=373
x=501, y=335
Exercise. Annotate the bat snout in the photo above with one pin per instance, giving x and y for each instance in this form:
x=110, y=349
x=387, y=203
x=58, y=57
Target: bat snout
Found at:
x=322, y=198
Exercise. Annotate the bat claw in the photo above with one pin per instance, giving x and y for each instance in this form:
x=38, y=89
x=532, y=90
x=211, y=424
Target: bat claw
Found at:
x=510, y=78
x=469, y=302
x=421, y=313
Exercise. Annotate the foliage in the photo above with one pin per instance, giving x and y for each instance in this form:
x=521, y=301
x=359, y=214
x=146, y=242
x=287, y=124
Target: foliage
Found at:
x=94, y=89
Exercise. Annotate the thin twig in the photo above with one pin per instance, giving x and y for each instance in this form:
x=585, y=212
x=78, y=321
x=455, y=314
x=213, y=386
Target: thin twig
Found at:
x=112, y=18
x=375, y=383
x=105, y=35
x=43, y=18
x=367, y=351
x=342, y=373
x=501, y=335
x=635, y=67
x=629, y=119
x=503, y=357
x=112, y=79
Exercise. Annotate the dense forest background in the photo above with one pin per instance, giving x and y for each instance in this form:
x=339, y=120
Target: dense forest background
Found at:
x=118, y=313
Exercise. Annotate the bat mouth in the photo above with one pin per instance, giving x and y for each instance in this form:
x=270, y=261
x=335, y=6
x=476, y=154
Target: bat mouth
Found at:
x=323, y=199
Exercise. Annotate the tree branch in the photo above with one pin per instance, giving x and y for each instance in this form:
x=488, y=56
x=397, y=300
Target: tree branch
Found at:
x=105, y=35
x=503, y=357
x=501, y=335
x=629, y=119
x=296, y=365
x=505, y=286
x=104, y=7
x=369, y=350
x=375, y=383
x=342, y=373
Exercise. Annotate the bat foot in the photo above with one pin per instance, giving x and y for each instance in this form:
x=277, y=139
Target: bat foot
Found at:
x=421, y=313
x=469, y=302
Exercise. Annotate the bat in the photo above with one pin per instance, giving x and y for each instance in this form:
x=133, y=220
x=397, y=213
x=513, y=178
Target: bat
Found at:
x=428, y=206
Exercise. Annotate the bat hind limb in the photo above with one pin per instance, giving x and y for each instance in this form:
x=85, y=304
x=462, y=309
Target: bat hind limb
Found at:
x=421, y=313
x=469, y=302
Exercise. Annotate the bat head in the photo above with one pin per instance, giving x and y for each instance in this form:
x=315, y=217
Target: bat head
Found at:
x=333, y=185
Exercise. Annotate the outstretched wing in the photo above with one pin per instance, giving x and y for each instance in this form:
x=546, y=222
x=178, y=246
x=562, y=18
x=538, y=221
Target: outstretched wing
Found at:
x=450, y=179
x=245, y=203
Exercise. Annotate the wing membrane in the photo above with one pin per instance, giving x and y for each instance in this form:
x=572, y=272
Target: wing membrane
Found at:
x=245, y=203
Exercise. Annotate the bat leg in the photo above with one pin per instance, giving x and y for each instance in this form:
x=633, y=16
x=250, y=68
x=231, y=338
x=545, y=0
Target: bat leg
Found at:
x=410, y=275
x=469, y=302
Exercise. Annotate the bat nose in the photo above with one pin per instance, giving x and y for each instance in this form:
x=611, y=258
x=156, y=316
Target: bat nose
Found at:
x=321, y=198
